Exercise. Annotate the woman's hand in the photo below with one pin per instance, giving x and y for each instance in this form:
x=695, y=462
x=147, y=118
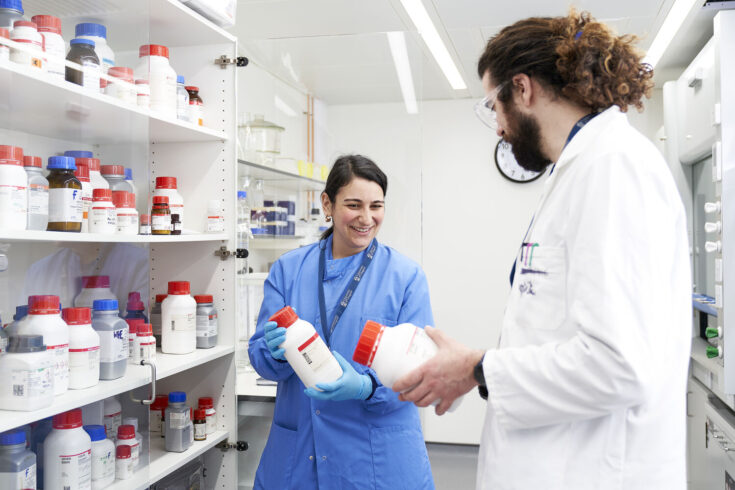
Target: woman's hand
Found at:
x=275, y=336
x=350, y=386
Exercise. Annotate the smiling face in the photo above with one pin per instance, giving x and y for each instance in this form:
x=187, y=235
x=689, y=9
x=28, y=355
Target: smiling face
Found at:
x=357, y=213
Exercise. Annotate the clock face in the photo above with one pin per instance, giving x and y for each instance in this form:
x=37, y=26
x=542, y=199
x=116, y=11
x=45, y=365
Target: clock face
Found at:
x=508, y=166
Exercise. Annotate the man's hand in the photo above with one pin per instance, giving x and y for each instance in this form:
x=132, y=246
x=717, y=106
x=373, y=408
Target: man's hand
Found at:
x=445, y=377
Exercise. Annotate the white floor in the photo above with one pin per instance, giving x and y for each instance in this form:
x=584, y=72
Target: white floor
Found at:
x=454, y=466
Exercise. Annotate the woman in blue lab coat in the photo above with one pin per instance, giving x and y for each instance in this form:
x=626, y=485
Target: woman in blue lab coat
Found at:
x=355, y=434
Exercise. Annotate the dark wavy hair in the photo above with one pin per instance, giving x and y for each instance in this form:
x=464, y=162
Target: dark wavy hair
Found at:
x=577, y=57
x=344, y=170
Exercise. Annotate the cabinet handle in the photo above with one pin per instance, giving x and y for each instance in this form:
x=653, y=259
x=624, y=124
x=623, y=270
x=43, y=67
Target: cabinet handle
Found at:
x=149, y=401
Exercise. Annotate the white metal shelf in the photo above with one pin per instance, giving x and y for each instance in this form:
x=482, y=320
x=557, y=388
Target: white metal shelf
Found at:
x=56, y=236
x=247, y=385
x=59, y=109
x=136, y=376
x=280, y=179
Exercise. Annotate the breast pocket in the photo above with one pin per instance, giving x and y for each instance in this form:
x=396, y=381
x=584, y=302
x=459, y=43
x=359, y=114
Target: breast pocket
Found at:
x=539, y=288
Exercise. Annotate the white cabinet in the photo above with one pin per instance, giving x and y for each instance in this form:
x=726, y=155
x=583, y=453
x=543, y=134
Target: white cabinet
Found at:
x=47, y=117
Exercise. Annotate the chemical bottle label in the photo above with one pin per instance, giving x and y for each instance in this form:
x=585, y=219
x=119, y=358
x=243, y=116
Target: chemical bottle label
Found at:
x=103, y=465
x=215, y=224
x=87, y=358
x=147, y=350
x=61, y=363
x=113, y=345
x=38, y=199
x=200, y=432
x=127, y=223
x=421, y=346
x=103, y=218
x=91, y=76
x=178, y=209
x=112, y=422
x=161, y=222
x=206, y=325
x=211, y=423
x=178, y=420
x=54, y=63
x=32, y=383
x=22, y=479
x=76, y=470
x=13, y=198
x=123, y=468
x=196, y=113
x=183, y=322
x=315, y=352
x=65, y=205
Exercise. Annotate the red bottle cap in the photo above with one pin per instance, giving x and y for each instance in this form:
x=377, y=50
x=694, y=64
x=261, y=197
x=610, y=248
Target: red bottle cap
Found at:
x=165, y=182
x=47, y=23
x=126, y=432
x=200, y=414
x=89, y=282
x=24, y=23
x=11, y=155
x=29, y=161
x=122, y=72
x=101, y=195
x=145, y=219
x=82, y=172
x=121, y=199
x=204, y=298
x=160, y=298
x=134, y=325
x=4, y=33
x=206, y=402
x=77, y=316
x=134, y=302
x=92, y=163
x=192, y=88
x=160, y=199
x=46, y=304
x=160, y=403
x=122, y=451
x=178, y=287
x=285, y=317
x=113, y=170
x=153, y=50
x=68, y=420
x=368, y=343
x=145, y=330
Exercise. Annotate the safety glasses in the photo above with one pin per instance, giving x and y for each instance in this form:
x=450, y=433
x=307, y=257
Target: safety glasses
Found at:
x=485, y=108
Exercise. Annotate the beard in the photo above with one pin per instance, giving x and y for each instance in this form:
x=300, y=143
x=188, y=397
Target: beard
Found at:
x=525, y=140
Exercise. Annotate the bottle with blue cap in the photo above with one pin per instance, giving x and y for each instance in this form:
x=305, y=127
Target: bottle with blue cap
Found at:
x=182, y=99
x=179, y=430
x=103, y=457
x=17, y=463
x=113, y=332
x=83, y=53
x=98, y=34
x=28, y=368
x=65, y=205
x=21, y=312
x=10, y=11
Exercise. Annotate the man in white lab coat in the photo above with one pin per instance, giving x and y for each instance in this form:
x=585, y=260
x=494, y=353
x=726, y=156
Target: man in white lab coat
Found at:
x=587, y=388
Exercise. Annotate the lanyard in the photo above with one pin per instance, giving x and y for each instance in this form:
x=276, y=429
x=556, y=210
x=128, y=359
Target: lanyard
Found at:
x=347, y=293
x=575, y=129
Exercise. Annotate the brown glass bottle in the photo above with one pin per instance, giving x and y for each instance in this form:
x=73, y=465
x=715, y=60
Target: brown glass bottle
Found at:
x=65, y=204
x=160, y=216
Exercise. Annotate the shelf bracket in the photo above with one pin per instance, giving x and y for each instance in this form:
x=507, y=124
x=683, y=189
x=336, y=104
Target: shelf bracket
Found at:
x=226, y=445
x=152, y=397
x=224, y=61
x=224, y=254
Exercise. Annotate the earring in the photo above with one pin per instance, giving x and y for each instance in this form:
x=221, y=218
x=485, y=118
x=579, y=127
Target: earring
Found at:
x=329, y=219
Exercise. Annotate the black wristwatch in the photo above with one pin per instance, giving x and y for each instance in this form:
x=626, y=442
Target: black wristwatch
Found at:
x=478, y=373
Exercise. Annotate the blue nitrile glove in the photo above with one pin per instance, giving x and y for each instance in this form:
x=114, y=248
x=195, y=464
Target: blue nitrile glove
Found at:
x=350, y=386
x=275, y=336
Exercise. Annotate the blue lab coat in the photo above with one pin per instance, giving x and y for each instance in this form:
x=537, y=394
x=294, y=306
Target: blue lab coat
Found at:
x=353, y=444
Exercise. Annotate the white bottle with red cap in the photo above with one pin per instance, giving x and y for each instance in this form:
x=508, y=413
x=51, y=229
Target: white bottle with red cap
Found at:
x=44, y=318
x=155, y=67
x=167, y=186
x=84, y=348
x=178, y=320
x=13, y=189
x=146, y=343
x=53, y=44
x=306, y=352
x=103, y=214
x=127, y=215
x=126, y=437
x=30, y=51
x=115, y=176
x=121, y=86
x=67, y=454
x=82, y=174
x=93, y=287
x=95, y=177
x=393, y=352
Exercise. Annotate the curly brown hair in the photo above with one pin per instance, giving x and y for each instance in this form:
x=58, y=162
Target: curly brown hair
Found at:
x=577, y=57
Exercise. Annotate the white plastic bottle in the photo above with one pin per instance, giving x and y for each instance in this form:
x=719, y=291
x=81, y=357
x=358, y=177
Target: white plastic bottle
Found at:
x=306, y=352
x=103, y=214
x=167, y=186
x=133, y=344
x=13, y=189
x=126, y=437
x=146, y=343
x=93, y=287
x=123, y=462
x=215, y=217
x=44, y=319
x=154, y=67
x=37, y=193
x=113, y=332
x=143, y=93
x=67, y=453
x=98, y=34
x=133, y=422
x=113, y=416
x=53, y=44
x=178, y=320
x=95, y=176
x=121, y=86
x=127, y=215
x=84, y=348
x=27, y=369
x=26, y=33
x=394, y=351
x=82, y=174
x=103, y=457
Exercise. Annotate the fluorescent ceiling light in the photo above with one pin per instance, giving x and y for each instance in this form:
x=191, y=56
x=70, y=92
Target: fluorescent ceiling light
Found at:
x=674, y=19
x=397, y=42
x=283, y=107
x=420, y=18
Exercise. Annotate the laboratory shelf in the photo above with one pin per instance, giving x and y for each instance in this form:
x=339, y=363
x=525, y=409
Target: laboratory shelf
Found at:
x=279, y=242
x=163, y=463
x=59, y=109
x=704, y=303
x=61, y=237
x=280, y=179
x=135, y=377
x=247, y=386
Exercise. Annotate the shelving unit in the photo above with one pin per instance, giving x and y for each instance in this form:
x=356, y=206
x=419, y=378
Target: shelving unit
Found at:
x=280, y=179
x=59, y=237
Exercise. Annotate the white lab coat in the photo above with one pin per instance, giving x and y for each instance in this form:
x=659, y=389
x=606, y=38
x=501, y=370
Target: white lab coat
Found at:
x=587, y=389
